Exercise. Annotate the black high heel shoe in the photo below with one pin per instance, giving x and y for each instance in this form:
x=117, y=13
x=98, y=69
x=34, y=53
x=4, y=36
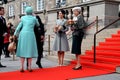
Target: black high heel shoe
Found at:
x=78, y=68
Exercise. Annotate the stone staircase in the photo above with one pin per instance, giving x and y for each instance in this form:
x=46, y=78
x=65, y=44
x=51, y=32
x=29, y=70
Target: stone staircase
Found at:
x=86, y=44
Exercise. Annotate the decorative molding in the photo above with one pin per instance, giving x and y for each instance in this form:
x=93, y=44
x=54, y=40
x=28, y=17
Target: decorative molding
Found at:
x=38, y=12
x=89, y=3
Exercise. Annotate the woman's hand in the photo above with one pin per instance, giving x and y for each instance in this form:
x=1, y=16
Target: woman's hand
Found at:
x=59, y=28
x=55, y=29
x=70, y=22
x=4, y=34
x=72, y=28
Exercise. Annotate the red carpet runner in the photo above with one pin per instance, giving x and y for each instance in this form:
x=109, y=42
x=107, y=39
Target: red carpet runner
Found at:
x=57, y=73
x=108, y=54
x=108, y=58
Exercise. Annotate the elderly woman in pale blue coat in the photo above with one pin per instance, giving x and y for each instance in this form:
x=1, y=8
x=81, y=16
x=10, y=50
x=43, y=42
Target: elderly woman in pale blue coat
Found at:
x=27, y=47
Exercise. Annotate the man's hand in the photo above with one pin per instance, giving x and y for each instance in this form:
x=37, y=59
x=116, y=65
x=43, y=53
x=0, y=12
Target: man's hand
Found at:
x=14, y=38
x=4, y=34
x=42, y=38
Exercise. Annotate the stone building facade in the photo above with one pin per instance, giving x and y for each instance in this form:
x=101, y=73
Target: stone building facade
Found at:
x=106, y=10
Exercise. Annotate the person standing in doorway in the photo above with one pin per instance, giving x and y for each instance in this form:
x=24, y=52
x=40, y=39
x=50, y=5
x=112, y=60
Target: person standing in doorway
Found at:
x=3, y=31
x=61, y=43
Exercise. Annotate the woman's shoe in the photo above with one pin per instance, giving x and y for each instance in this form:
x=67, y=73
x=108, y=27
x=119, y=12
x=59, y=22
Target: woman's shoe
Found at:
x=77, y=68
x=30, y=70
x=22, y=70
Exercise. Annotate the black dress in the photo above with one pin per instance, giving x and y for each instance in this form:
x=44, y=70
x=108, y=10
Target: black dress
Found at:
x=76, y=43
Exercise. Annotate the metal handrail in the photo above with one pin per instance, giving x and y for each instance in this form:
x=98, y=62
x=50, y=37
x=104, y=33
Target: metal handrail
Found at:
x=87, y=26
x=99, y=32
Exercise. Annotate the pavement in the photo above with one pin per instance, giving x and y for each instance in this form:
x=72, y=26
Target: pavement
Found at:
x=13, y=65
x=113, y=76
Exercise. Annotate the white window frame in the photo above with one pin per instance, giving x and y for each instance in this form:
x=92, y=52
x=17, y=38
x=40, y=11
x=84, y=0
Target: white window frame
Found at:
x=86, y=0
x=60, y=2
x=11, y=11
x=23, y=6
x=40, y=5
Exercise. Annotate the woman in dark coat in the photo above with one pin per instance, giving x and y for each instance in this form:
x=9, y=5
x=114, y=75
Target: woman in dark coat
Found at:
x=78, y=33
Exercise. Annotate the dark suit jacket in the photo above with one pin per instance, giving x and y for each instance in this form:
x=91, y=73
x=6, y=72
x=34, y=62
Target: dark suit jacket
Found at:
x=39, y=30
x=3, y=29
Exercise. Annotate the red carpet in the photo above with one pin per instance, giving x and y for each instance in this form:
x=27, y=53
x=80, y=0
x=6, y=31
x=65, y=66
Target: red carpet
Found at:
x=56, y=73
x=108, y=54
x=108, y=58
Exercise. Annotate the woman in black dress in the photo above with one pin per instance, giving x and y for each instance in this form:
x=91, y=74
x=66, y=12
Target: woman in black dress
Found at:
x=77, y=35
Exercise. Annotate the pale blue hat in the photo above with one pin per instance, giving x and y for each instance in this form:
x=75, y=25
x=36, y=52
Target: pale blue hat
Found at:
x=28, y=10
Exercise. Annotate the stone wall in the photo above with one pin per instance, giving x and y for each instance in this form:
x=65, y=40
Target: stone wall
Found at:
x=106, y=11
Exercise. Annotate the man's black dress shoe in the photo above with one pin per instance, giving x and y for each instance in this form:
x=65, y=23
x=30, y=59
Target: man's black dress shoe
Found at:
x=1, y=66
x=39, y=65
x=7, y=56
x=77, y=68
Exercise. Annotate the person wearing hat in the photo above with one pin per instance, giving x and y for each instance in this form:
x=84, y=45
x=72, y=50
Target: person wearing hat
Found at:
x=78, y=32
x=27, y=47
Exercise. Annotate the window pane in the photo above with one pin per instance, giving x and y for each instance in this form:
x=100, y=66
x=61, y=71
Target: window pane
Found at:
x=40, y=5
x=63, y=2
x=60, y=2
x=11, y=11
x=23, y=6
x=85, y=0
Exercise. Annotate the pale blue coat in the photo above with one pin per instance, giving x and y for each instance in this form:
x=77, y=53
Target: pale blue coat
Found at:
x=27, y=46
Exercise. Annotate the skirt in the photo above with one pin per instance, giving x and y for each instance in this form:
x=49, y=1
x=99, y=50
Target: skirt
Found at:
x=76, y=43
x=60, y=42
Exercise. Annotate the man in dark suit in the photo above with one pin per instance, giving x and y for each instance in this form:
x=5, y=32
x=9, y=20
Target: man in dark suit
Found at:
x=3, y=31
x=39, y=33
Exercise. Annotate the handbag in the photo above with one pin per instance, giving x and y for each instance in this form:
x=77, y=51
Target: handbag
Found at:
x=12, y=47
